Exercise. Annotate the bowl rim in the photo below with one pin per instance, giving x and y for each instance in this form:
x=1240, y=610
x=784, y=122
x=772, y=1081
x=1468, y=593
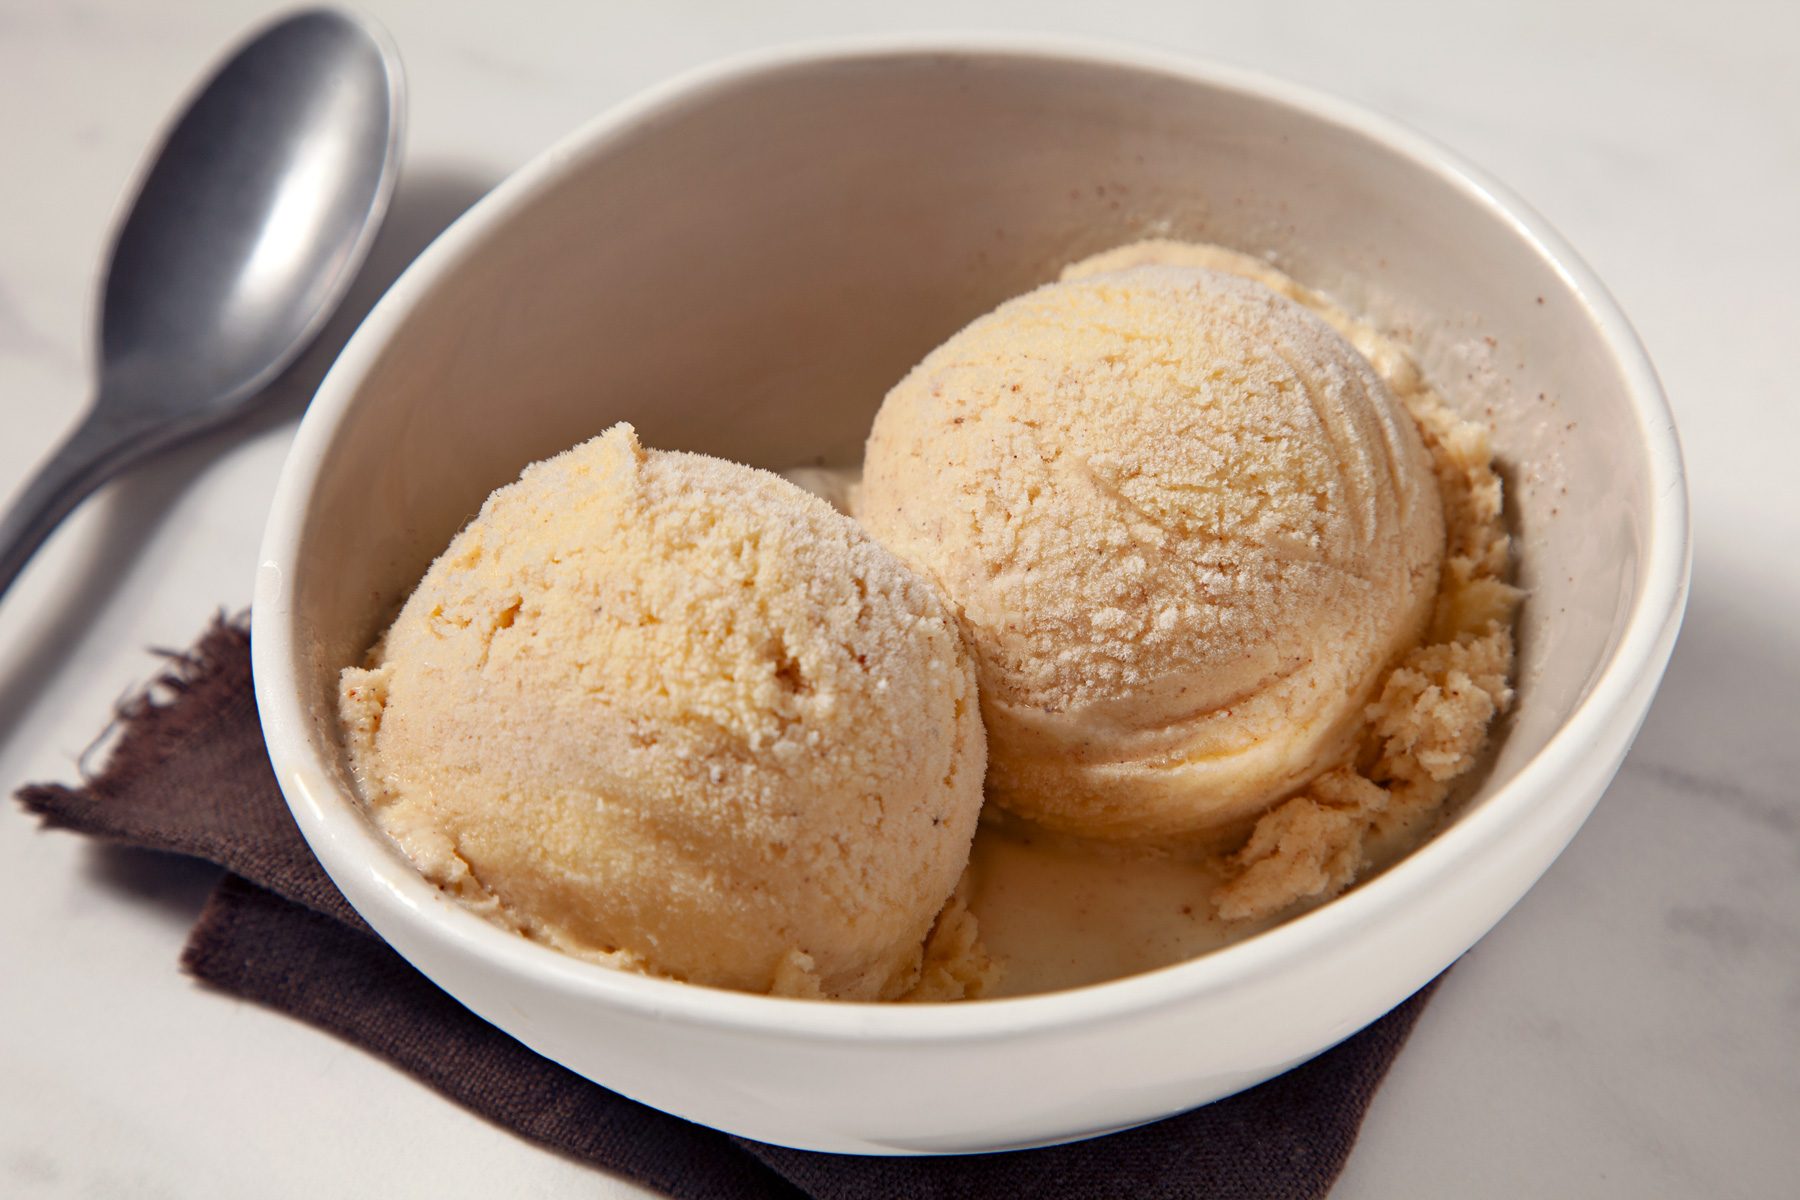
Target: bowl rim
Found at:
x=339, y=828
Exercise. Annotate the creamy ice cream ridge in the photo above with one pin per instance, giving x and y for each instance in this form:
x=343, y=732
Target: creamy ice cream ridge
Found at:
x=678, y=716
x=1232, y=572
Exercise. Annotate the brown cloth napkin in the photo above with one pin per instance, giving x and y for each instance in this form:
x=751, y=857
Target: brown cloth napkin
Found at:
x=188, y=774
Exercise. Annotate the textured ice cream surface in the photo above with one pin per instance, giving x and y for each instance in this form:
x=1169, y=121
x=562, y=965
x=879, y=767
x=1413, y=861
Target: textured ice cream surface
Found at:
x=1430, y=722
x=1188, y=528
x=676, y=715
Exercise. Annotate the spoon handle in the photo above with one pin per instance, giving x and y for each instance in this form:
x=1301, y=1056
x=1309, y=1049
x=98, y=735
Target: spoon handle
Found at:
x=96, y=450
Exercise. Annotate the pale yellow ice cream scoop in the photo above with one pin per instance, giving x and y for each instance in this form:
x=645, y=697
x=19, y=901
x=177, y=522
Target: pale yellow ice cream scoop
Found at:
x=1186, y=527
x=679, y=716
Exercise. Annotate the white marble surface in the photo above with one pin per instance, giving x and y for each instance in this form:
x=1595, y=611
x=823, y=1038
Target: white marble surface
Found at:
x=1631, y=1030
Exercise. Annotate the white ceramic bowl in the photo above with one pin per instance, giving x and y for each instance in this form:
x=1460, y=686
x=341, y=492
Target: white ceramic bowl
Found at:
x=741, y=262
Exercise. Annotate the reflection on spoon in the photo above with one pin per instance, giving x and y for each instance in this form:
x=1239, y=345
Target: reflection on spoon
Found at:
x=244, y=236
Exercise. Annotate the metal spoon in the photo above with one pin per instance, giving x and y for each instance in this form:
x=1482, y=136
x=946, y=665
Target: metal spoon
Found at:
x=246, y=232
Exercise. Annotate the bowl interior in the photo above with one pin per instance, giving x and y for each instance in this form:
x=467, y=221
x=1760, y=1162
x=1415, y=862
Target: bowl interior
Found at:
x=746, y=271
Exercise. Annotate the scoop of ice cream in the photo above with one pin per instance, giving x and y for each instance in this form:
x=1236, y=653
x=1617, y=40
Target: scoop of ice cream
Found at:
x=678, y=715
x=1186, y=527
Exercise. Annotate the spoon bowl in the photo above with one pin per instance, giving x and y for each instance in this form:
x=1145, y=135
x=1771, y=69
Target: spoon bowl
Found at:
x=254, y=217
